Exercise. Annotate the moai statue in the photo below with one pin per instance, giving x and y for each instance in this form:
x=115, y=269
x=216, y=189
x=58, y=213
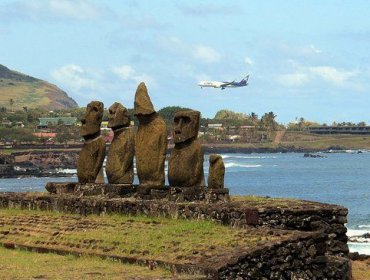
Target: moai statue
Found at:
x=216, y=173
x=185, y=166
x=150, y=142
x=120, y=161
x=92, y=153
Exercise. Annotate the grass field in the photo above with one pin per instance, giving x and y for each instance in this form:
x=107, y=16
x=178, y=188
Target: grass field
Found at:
x=143, y=238
x=17, y=264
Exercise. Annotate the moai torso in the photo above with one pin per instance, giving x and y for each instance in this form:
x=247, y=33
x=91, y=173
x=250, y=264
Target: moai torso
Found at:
x=92, y=154
x=150, y=141
x=120, y=161
x=90, y=160
x=151, y=146
x=216, y=172
x=185, y=166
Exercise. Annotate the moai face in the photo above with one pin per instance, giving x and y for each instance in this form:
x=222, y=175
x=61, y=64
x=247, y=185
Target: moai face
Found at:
x=186, y=125
x=118, y=116
x=91, y=122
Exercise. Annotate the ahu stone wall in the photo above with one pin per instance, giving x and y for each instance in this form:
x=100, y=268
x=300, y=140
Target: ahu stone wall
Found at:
x=318, y=251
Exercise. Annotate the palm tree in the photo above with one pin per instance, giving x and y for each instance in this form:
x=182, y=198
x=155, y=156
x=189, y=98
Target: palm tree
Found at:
x=11, y=102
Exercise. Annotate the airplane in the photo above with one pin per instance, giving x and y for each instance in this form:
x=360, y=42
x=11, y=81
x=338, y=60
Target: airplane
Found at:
x=223, y=85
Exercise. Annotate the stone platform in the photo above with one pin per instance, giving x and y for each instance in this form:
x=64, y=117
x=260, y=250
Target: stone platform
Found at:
x=135, y=191
x=317, y=250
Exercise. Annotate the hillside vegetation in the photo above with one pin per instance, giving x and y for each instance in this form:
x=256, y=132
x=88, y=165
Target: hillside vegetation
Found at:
x=18, y=90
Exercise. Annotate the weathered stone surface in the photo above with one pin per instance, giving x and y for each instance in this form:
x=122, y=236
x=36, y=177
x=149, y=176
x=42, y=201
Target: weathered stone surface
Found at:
x=216, y=172
x=91, y=122
x=106, y=190
x=150, y=142
x=92, y=154
x=120, y=161
x=185, y=166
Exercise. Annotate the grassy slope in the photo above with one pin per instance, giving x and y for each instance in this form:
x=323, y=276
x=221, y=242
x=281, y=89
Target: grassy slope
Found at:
x=17, y=264
x=30, y=92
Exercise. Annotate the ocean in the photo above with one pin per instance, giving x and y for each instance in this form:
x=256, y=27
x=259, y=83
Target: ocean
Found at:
x=338, y=178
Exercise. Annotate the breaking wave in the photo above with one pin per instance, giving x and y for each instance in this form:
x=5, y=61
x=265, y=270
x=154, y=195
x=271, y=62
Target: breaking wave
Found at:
x=233, y=164
x=247, y=157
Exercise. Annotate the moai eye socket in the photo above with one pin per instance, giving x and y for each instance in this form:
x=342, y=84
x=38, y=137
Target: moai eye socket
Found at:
x=186, y=120
x=111, y=112
x=95, y=109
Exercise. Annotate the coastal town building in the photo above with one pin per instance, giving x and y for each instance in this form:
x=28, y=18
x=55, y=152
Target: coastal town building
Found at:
x=47, y=122
x=340, y=129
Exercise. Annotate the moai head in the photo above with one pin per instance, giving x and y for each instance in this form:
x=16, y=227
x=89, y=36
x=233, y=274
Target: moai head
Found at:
x=118, y=116
x=143, y=106
x=186, y=125
x=92, y=119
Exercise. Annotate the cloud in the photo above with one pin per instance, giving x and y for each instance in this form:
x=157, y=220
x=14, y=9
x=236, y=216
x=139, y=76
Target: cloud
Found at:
x=143, y=23
x=206, y=54
x=248, y=61
x=51, y=10
x=209, y=9
x=127, y=73
x=200, y=52
x=332, y=75
x=75, y=78
x=329, y=74
x=293, y=80
x=303, y=50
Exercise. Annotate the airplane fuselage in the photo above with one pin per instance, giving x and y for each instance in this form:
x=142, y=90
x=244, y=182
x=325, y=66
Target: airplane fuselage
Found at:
x=223, y=85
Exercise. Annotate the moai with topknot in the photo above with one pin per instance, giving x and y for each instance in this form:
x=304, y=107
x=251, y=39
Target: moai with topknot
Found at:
x=150, y=142
x=92, y=154
x=185, y=166
x=216, y=172
x=120, y=161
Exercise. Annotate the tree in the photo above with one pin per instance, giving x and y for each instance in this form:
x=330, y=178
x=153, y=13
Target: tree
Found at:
x=167, y=113
x=11, y=103
x=268, y=122
x=361, y=124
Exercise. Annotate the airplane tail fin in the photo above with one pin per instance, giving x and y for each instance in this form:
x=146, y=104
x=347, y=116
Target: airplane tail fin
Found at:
x=245, y=80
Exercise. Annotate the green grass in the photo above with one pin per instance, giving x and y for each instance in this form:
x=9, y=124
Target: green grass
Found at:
x=31, y=94
x=171, y=240
x=17, y=264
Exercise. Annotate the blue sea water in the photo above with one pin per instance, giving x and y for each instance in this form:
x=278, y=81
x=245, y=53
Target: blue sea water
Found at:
x=339, y=178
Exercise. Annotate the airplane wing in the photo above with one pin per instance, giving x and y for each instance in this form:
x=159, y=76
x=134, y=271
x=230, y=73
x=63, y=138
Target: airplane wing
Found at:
x=227, y=83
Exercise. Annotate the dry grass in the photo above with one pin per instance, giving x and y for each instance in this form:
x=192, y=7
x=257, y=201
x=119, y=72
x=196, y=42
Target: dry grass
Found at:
x=361, y=270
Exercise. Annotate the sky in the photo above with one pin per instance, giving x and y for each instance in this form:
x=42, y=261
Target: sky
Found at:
x=306, y=59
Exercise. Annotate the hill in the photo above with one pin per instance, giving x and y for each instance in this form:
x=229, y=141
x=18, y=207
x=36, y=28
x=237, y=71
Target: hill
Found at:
x=28, y=91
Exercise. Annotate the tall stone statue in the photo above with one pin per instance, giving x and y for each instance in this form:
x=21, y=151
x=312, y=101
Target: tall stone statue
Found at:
x=92, y=154
x=120, y=161
x=185, y=167
x=150, y=142
x=216, y=172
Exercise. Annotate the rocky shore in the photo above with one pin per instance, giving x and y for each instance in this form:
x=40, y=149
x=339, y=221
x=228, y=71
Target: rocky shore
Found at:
x=37, y=164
